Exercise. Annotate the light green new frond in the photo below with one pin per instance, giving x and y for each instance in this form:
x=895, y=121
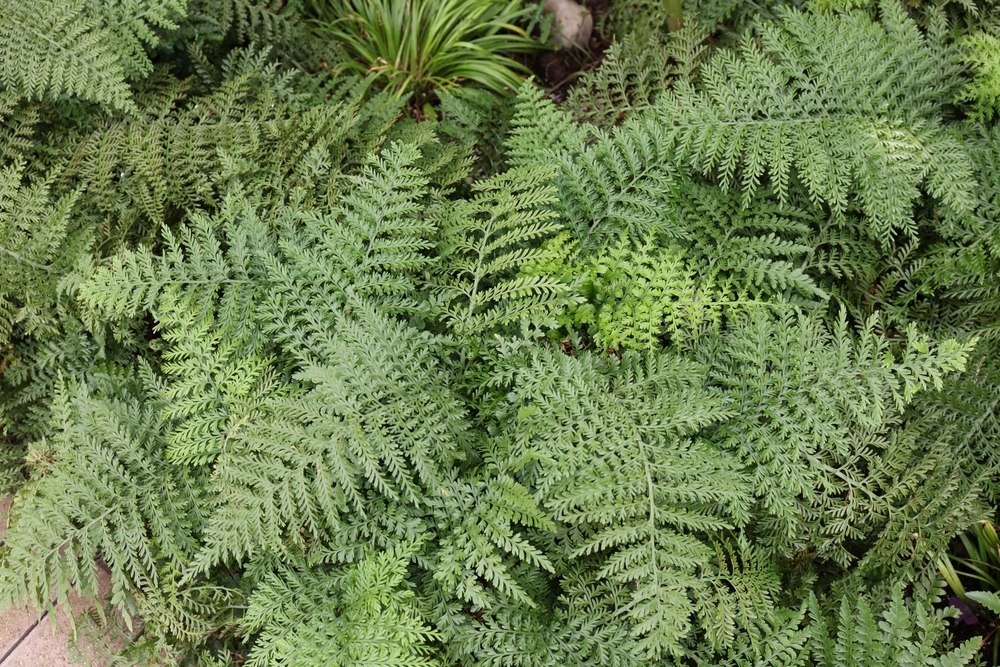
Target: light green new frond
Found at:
x=361, y=615
x=648, y=296
x=79, y=48
x=644, y=296
x=981, y=53
x=484, y=241
x=862, y=134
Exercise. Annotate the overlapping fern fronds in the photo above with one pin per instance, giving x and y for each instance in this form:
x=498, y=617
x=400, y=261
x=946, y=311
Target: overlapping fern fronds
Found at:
x=864, y=135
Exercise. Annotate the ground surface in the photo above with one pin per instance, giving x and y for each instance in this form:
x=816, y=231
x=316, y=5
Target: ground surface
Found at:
x=26, y=640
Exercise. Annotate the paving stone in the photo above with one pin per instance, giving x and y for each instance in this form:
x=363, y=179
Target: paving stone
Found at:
x=44, y=643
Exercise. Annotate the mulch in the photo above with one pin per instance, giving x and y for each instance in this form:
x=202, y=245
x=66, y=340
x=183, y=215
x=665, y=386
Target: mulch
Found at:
x=557, y=70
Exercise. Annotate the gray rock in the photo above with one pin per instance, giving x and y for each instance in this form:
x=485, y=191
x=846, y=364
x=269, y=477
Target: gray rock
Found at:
x=572, y=23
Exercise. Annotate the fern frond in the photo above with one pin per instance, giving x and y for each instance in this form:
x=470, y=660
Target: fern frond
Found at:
x=616, y=467
x=774, y=110
x=740, y=595
x=484, y=241
x=353, y=425
x=105, y=492
x=810, y=458
x=39, y=242
x=981, y=53
x=901, y=634
x=80, y=48
x=361, y=615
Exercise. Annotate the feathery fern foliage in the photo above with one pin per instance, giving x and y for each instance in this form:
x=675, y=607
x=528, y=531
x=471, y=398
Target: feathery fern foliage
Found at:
x=361, y=616
x=824, y=465
x=664, y=376
x=981, y=52
x=865, y=135
x=84, y=49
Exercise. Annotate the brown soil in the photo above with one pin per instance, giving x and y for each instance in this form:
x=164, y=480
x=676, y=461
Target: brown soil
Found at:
x=557, y=70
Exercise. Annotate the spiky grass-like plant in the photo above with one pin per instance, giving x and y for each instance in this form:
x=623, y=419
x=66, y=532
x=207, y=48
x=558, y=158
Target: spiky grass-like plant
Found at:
x=418, y=46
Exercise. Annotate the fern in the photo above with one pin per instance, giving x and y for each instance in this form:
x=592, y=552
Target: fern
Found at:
x=739, y=596
x=104, y=491
x=625, y=183
x=634, y=72
x=811, y=458
x=782, y=642
x=660, y=377
x=361, y=616
x=81, y=49
x=484, y=240
x=899, y=635
x=628, y=492
x=643, y=296
x=629, y=79
x=758, y=249
x=39, y=242
x=579, y=629
x=774, y=107
x=263, y=21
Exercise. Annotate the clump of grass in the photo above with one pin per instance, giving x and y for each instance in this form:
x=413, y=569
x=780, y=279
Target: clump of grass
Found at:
x=420, y=46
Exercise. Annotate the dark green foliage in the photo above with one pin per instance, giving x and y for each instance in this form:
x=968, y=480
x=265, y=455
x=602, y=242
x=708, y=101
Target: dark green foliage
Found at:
x=669, y=375
x=621, y=469
x=901, y=634
x=37, y=240
x=102, y=488
x=829, y=465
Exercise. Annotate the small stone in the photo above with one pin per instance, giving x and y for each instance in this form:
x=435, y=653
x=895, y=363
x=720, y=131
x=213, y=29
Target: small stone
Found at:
x=572, y=23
